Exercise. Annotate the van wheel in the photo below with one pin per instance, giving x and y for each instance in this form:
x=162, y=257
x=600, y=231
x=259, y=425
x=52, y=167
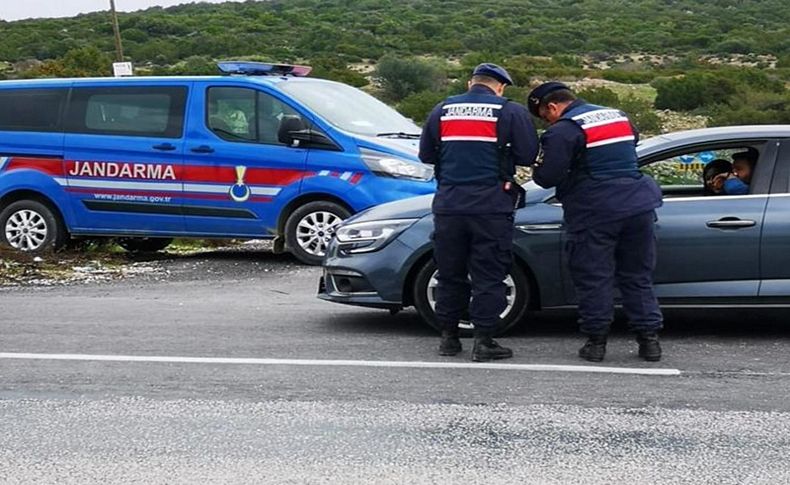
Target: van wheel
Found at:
x=32, y=227
x=309, y=229
x=144, y=244
x=518, y=293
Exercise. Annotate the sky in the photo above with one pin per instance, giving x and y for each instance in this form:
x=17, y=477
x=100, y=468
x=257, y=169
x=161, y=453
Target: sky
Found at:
x=24, y=9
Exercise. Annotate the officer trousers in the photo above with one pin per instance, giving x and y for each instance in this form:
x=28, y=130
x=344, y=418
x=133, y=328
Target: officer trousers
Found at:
x=622, y=254
x=473, y=254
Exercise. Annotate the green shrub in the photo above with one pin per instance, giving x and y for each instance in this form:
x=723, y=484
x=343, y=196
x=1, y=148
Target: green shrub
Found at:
x=692, y=91
x=601, y=96
x=628, y=77
x=754, y=108
x=418, y=106
x=641, y=114
x=400, y=77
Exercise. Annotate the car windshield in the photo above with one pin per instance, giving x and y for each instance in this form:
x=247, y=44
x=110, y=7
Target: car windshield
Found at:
x=350, y=109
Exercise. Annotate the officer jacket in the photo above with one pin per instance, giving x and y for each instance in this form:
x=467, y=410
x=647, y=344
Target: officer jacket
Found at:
x=590, y=156
x=463, y=138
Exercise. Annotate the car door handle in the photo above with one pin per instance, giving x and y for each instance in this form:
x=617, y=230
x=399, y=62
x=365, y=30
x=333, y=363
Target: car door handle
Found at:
x=534, y=228
x=165, y=147
x=731, y=223
x=203, y=149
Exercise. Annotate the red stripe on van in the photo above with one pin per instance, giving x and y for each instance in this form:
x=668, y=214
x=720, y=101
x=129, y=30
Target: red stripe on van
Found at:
x=50, y=166
x=227, y=174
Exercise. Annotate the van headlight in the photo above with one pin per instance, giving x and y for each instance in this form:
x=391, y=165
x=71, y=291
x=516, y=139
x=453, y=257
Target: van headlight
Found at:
x=365, y=237
x=387, y=165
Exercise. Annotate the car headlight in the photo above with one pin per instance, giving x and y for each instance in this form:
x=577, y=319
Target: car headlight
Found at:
x=392, y=166
x=365, y=237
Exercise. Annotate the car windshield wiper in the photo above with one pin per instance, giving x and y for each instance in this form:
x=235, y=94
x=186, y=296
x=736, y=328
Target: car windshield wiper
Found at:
x=400, y=134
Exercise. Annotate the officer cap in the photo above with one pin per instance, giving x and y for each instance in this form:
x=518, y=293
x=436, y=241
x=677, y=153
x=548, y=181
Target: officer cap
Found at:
x=492, y=70
x=540, y=92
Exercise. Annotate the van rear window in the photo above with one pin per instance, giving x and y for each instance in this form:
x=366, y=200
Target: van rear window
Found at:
x=128, y=111
x=31, y=109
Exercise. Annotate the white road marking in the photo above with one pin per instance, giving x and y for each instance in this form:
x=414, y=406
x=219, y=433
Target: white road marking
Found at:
x=345, y=363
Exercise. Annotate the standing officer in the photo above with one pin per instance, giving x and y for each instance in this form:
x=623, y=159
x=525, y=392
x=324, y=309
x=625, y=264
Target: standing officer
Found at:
x=474, y=142
x=589, y=154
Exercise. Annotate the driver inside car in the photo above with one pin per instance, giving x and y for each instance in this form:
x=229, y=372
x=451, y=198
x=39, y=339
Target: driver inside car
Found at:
x=737, y=182
x=714, y=184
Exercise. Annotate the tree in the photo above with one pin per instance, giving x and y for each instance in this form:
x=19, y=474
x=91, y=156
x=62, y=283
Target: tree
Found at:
x=82, y=62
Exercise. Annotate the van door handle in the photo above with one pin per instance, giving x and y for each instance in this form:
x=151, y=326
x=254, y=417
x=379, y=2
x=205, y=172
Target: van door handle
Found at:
x=165, y=147
x=731, y=223
x=203, y=149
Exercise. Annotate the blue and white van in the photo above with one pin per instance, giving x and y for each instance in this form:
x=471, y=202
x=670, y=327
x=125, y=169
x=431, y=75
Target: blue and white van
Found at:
x=262, y=152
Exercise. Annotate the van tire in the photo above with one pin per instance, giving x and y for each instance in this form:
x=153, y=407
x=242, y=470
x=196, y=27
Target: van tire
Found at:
x=144, y=244
x=321, y=217
x=46, y=231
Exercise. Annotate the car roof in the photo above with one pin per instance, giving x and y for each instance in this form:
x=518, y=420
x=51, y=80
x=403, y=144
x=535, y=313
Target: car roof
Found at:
x=131, y=80
x=727, y=133
x=706, y=135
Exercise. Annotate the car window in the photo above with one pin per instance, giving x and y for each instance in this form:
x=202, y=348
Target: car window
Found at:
x=130, y=111
x=31, y=109
x=246, y=115
x=704, y=172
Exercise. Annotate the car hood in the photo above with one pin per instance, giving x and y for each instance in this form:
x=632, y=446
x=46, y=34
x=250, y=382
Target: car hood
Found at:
x=411, y=208
x=417, y=207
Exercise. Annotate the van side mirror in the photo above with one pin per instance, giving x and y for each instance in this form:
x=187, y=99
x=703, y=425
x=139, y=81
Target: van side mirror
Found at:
x=309, y=138
x=295, y=133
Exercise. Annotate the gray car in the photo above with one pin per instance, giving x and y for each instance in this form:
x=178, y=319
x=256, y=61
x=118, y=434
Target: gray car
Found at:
x=713, y=250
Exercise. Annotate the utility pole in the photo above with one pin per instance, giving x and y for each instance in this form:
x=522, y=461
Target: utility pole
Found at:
x=117, y=31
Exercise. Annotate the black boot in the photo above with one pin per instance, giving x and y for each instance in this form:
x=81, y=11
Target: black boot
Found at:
x=487, y=349
x=594, y=349
x=649, y=348
x=450, y=344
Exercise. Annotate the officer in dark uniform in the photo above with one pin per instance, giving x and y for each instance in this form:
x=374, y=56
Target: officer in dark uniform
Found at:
x=474, y=141
x=589, y=154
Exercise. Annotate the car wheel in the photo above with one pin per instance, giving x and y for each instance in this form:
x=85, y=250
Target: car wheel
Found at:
x=309, y=229
x=31, y=227
x=144, y=244
x=518, y=294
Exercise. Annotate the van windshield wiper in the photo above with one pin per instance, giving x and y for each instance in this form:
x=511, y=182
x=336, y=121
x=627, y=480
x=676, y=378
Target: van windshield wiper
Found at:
x=400, y=134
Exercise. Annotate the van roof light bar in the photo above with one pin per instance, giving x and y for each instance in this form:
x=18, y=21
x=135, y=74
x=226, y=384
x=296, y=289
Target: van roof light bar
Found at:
x=240, y=68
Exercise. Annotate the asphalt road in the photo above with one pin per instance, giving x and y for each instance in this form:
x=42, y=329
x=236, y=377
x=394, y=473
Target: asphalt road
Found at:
x=284, y=415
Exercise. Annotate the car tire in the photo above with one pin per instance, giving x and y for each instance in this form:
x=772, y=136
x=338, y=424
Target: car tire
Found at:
x=144, y=244
x=310, y=227
x=423, y=300
x=32, y=227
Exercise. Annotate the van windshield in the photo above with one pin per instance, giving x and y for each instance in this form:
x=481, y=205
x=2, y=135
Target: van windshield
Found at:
x=350, y=109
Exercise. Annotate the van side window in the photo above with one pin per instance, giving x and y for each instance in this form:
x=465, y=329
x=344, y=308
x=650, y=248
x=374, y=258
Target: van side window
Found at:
x=245, y=115
x=128, y=111
x=231, y=114
x=31, y=109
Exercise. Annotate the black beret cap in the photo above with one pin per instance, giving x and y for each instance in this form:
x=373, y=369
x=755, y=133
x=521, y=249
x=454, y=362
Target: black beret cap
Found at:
x=540, y=92
x=492, y=70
